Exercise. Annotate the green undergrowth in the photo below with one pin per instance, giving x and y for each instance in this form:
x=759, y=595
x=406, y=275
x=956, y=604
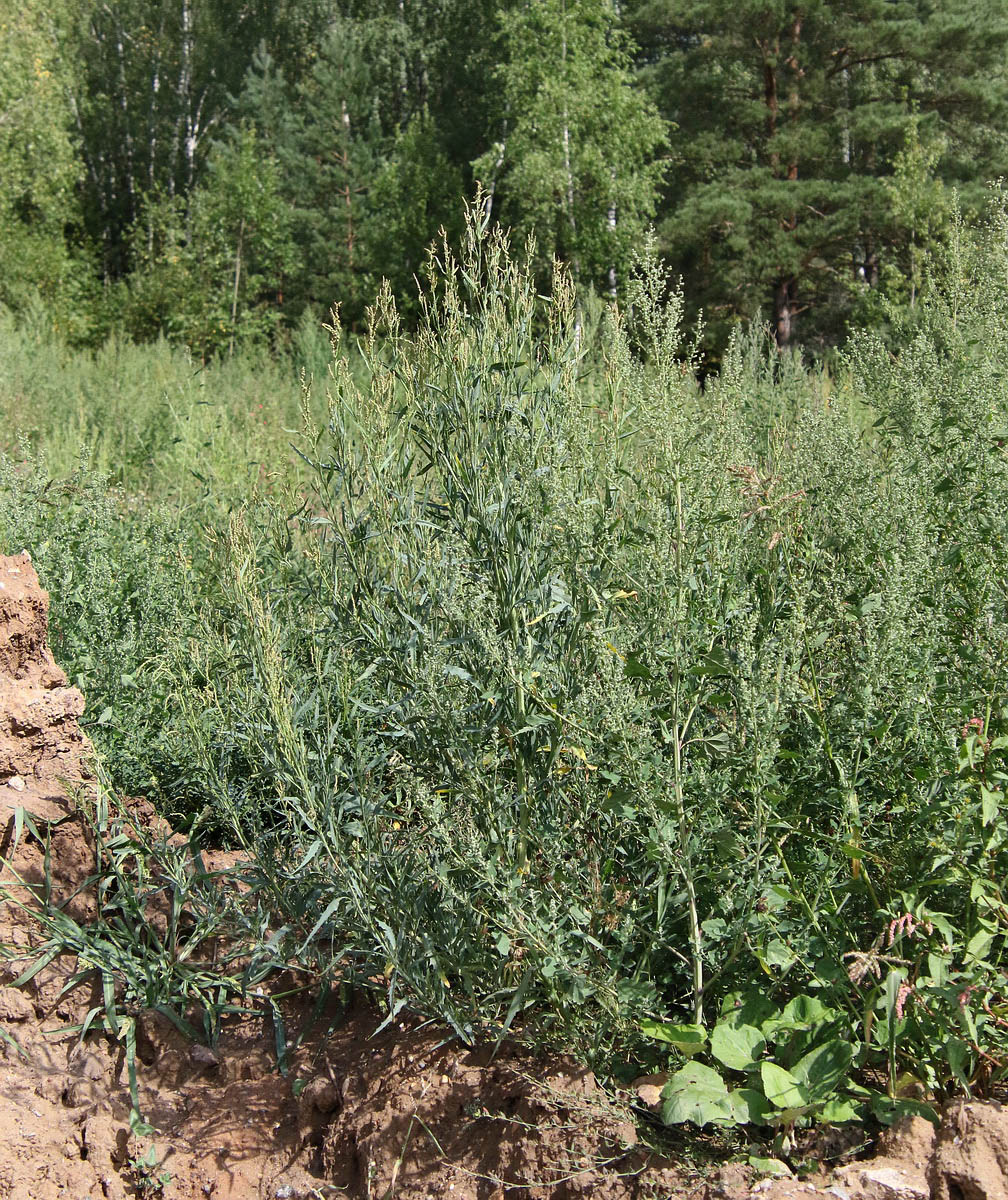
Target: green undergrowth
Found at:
x=151, y=418
x=552, y=694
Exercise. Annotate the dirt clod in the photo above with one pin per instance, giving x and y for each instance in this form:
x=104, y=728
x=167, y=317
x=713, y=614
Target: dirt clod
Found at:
x=970, y=1159
x=41, y=743
x=15, y=1005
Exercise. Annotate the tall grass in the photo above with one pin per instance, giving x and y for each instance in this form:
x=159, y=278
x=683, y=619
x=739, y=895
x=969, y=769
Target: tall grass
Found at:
x=152, y=419
x=551, y=691
x=567, y=693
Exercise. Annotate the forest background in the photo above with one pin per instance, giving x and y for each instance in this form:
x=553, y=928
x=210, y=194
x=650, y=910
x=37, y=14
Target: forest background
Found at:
x=223, y=172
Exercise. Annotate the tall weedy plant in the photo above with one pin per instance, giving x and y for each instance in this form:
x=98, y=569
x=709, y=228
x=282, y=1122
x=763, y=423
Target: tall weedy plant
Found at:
x=440, y=736
x=567, y=695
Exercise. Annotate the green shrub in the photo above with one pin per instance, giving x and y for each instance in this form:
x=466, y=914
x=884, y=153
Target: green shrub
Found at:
x=571, y=695
x=551, y=692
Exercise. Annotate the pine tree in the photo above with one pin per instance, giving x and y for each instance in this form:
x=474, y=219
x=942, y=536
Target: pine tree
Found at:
x=787, y=117
x=368, y=169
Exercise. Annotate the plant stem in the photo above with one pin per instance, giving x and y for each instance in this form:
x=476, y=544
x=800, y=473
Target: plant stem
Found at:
x=679, y=736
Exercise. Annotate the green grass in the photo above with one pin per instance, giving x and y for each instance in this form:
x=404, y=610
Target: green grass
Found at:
x=549, y=692
x=151, y=419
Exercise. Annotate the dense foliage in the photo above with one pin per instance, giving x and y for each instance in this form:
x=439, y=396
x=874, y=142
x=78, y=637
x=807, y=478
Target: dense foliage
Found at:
x=214, y=171
x=549, y=692
x=581, y=669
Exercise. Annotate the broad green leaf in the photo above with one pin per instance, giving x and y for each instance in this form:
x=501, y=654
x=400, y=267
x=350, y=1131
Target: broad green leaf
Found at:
x=697, y=1094
x=781, y=1087
x=745, y=1008
x=990, y=803
x=823, y=1068
x=688, y=1039
x=889, y=1111
x=979, y=944
x=777, y=954
x=635, y=669
x=749, y=1106
x=769, y=1166
x=737, y=1046
x=800, y=1013
x=841, y=1112
x=716, y=662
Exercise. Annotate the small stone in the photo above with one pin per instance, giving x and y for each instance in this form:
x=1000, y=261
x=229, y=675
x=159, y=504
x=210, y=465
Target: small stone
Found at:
x=320, y=1094
x=626, y=1134
x=17, y=783
x=883, y=1181
x=649, y=1088
x=90, y=1066
x=80, y=1092
x=204, y=1056
x=897, y=1182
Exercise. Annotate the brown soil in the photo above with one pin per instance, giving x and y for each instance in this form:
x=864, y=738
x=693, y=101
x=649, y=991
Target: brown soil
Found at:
x=407, y=1112
x=40, y=741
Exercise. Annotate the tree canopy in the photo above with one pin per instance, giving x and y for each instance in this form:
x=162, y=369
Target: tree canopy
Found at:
x=215, y=171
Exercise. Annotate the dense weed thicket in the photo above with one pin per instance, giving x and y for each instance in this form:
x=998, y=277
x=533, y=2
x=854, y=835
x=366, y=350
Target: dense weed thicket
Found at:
x=550, y=692
x=149, y=417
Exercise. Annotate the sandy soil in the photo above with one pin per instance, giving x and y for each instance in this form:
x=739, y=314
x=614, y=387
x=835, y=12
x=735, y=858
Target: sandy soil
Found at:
x=406, y=1112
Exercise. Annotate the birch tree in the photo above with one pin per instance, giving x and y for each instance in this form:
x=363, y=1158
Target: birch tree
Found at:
x=576, y=161
x=38, y=170
x=152, y=91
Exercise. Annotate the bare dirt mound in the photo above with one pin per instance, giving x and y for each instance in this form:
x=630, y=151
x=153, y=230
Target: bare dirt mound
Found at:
x=404, y=1111
x=41, y=744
